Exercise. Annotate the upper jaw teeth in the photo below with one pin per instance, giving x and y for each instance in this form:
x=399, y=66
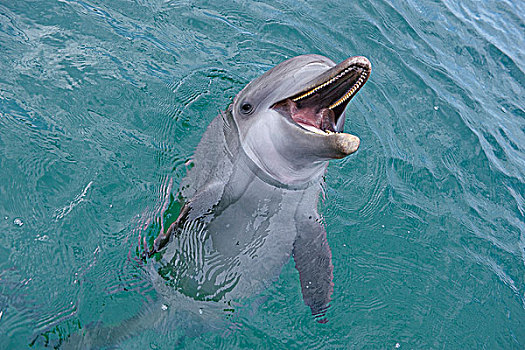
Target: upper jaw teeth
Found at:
x=353, y=89
x=319, y=87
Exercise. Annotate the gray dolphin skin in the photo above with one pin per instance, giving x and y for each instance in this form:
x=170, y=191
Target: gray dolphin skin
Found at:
x=249, y=202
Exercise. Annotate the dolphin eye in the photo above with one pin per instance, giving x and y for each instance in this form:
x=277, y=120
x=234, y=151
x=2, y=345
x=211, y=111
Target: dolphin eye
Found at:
x=246, y=108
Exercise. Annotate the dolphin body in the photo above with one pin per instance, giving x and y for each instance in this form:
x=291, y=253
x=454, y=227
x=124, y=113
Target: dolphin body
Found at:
x=250, y=200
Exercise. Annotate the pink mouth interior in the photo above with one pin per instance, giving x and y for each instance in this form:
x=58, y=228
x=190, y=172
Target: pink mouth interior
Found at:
x=320, y=118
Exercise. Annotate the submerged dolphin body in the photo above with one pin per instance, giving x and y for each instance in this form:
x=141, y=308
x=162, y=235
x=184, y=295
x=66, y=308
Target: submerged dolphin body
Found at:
x=251, y=196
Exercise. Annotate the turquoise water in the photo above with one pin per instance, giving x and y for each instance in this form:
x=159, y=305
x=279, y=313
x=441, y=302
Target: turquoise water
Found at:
x=103, y=102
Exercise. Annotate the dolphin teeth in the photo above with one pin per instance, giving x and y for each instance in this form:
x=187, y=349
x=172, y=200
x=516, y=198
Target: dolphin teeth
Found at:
x=346, y=96
x=354, y=88
x=326, y=83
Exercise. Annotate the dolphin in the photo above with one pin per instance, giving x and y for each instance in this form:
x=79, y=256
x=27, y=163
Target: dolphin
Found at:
x=250, y=199
x=249, y=202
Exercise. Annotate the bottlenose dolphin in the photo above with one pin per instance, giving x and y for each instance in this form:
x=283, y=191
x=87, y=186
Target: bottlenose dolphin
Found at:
x=249, y=203
x=250, y=200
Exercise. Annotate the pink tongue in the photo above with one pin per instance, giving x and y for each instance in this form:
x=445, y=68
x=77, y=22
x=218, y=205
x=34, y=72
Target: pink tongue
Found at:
x=327, y=117
x=323, y=119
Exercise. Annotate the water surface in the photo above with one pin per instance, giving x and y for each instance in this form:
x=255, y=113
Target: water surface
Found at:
x=103, y=102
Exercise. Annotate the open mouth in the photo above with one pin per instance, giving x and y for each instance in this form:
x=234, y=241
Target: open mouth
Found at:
x=319, y=107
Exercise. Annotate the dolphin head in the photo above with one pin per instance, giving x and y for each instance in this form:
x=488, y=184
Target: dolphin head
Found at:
x=290, y=120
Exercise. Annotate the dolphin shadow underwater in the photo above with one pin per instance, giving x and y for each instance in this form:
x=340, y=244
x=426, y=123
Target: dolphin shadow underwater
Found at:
x=249, y=203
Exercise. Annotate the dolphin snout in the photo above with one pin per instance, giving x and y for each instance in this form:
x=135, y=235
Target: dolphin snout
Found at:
x=345, y=144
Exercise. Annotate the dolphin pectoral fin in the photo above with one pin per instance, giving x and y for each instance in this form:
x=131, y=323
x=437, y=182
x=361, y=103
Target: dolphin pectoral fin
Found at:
x=313, y=260
x=163, y=238
x=199, y=206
